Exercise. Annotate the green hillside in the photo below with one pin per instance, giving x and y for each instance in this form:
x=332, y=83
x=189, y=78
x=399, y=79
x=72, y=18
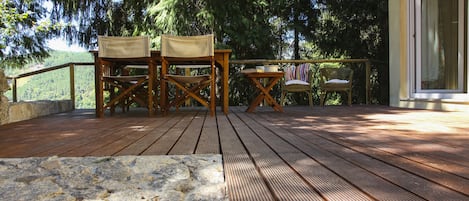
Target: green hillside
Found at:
x=55, y=85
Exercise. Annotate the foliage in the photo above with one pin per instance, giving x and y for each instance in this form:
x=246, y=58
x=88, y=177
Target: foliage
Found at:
x=258, y=29
x=298, y=16
x=23, y=32
x=244, y=27
x=55, y=85
x=357, y=29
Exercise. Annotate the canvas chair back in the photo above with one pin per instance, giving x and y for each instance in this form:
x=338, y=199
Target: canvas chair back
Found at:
x=189, y=49
x=123, y=47
x=187, y=46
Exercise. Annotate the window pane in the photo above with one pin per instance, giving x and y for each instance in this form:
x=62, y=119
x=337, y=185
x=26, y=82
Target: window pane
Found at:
x=439, y=68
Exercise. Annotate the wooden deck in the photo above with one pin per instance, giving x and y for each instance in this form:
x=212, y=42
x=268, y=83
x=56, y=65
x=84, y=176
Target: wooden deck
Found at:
x=330, y=153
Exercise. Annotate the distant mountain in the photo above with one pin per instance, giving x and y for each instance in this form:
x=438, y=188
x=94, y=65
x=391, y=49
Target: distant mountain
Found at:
x=56, y=58
x=55, y=85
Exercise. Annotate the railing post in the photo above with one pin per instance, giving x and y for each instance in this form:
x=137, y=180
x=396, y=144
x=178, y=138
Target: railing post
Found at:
x=15, y=96
x=367, y=81
x=72, y=84
x=187, y=71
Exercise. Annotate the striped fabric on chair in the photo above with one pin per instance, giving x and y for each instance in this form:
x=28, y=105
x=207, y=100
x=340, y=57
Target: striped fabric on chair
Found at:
x=300, y=72
x=297, y=79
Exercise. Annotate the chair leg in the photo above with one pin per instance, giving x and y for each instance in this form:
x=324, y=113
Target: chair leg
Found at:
x=282, y=98
x=212, y=101
x=310, y=96
x=322, y=98
x=349, y=93
x=213, y=95
x=112, y=107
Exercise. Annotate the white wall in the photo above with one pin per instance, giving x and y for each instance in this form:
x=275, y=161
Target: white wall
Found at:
x=395, y=56
x=399, y=79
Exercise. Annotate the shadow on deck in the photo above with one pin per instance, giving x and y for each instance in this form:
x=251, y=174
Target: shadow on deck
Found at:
x=324, y=153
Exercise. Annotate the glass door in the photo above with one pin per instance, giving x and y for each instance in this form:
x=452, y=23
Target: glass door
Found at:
x=440, y=46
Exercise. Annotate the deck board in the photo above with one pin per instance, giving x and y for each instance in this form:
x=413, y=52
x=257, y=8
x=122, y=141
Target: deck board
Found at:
x=153, y=134
x=285, y=183
x=375, y=186
x=411, y=175
x=243, y=179
x=209, y=142
x=187, y=143
x=439, y=176
x=324, y=153
x=330, y=185
x=166, y=142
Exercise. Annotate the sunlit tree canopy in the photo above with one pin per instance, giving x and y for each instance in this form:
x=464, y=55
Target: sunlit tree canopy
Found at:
x=24, y=28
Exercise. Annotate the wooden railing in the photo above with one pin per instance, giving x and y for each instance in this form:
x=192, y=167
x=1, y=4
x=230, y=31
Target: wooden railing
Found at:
x=14, y=79
x=367, y=63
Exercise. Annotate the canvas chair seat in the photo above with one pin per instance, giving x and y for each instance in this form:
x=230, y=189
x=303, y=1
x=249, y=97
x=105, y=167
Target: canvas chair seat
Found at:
x=186, y=52
x=337, y=81
x=128, y=78
x=296, y=82
x=189, y=79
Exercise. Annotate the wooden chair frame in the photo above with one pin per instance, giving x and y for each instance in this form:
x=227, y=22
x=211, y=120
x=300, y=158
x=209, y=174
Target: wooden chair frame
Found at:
x=117, y=52
x=336, y=80
x=302, y=85
x=188, y=84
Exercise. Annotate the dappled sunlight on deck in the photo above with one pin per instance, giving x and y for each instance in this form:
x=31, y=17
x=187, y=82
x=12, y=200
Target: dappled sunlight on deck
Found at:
x=421, y=122
x=321, y=153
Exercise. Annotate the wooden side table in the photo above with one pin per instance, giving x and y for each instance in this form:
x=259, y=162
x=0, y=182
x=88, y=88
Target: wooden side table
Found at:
x=263, y=90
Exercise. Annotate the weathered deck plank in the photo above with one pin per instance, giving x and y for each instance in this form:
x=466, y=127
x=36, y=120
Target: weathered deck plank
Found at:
x=326, y=182
x=285, y=182
x=242, y=177
x=103, y=139
x=164, y=144
x=327, y=153
x=187, y=143
x=139, y=146
x=375, y=186
x=416, y=177
x=209, y=140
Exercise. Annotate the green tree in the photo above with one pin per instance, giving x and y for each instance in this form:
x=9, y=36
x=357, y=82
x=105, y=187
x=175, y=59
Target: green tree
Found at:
x=131, y=18
x=23, y=32
x=298, y=17
x=245, y=27
x=357, y=29
x=251, y=28
x=241, y=25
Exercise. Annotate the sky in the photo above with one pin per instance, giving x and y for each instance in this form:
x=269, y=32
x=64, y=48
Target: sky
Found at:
x=58, y=43
x=61, y=45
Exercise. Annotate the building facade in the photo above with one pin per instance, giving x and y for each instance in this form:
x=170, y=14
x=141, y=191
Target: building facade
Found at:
x=428, y=43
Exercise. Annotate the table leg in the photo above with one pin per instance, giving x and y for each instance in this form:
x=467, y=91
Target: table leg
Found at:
x=264, y=95
x=99, y=88
x=225, y=87
x=270, y=100
x=151, y=75
x=255, y=102
x=163, y=88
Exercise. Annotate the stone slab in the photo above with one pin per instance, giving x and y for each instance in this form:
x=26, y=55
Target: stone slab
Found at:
x=25, y=110
x=175, y=177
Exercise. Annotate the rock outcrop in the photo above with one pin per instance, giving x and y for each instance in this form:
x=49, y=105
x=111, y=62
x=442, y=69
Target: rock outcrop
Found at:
x=182, y=177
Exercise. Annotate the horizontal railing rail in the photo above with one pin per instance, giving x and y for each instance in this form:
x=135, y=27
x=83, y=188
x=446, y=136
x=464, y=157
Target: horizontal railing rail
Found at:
x=367, y=63
x=71, y=65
